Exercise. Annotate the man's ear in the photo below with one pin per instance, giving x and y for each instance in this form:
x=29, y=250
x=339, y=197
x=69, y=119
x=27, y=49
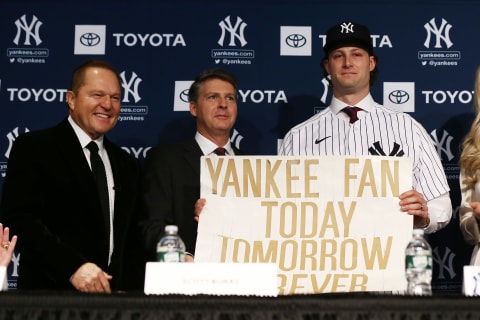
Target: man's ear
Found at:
x=373, y=62
x=70, y=97
x=193, y=108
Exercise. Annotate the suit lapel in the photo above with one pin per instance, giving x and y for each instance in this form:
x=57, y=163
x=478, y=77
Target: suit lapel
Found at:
x=70, y=149
x=192, y=155
x=237, y=151
x=73, y=156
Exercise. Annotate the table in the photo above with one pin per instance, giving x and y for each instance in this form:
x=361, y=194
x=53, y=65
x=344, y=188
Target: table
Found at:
x=74, y=305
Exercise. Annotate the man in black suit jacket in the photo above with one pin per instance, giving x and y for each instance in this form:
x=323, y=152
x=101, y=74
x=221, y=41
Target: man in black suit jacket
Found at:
x=50, y=198
x=171, y=173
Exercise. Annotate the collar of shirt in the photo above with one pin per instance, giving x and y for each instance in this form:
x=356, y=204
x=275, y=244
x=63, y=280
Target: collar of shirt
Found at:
x=367, y=104
x=208, y=146
x=83, y=137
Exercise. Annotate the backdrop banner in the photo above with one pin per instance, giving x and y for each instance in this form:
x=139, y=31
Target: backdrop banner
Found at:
x=427, y=60
x=331, y=224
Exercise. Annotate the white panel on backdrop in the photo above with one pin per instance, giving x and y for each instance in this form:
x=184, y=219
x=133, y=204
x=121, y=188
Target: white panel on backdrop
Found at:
x=399, y=96
x=428, y=60
x=180, y=100
x=90, y=39
x=295, y=41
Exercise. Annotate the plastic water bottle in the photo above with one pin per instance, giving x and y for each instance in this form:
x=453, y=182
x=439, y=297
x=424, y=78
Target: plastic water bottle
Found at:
x=171, y=248
x=418, y=265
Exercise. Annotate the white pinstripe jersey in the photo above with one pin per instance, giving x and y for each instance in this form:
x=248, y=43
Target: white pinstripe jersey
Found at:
x=380, y=131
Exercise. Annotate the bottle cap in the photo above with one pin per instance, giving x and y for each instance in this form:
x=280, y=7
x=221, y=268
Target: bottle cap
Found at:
x=418, y=232
x=171, y=229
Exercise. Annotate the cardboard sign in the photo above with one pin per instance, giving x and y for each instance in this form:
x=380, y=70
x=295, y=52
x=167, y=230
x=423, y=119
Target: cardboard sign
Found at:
x=330, y=224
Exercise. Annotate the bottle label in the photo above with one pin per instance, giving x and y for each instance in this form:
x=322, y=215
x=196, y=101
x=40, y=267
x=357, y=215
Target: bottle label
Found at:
x=418, y=262
x=170, y=256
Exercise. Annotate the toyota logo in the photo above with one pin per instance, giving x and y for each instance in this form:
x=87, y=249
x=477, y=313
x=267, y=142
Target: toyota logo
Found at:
x=398, y=96
x=89, y=39
x=184, y=95
x=296, y=40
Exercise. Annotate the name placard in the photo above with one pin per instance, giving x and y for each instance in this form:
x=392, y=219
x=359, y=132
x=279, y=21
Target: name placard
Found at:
x=3, y=278
x=471, y=280
x=244, y=279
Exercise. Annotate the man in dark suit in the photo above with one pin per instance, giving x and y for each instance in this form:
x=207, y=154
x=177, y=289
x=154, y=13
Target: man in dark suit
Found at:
x=50, y=198
x=171, y=175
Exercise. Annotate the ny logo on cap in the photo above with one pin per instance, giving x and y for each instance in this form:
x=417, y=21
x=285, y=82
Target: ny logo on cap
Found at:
x=347, y=27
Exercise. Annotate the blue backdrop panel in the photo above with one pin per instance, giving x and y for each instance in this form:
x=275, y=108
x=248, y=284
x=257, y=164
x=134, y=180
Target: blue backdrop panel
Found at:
x=427, y=62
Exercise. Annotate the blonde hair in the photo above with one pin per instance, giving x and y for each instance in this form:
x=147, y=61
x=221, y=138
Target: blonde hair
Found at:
x=470, y=156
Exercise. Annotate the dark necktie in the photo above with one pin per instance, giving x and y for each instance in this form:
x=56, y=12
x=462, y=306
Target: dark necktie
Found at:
x=352, y=113
x=98, y=170
x=219, y=151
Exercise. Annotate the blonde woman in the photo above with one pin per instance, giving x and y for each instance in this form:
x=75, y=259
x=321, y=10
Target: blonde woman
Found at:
x=470, y=182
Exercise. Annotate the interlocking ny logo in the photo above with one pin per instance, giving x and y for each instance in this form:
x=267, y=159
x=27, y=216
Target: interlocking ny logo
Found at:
x=236, y=32
x=443, y=145
x=377, y=150
x=445, y=262
x=326, y=85
x=442, y=33
x=15, y=264
x=12, y=136
x=31, y=30
x=346, y=27
x=127, y=85
x=236, y=138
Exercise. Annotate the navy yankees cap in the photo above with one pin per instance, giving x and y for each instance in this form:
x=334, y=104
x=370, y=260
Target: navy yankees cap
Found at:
x=348, y=34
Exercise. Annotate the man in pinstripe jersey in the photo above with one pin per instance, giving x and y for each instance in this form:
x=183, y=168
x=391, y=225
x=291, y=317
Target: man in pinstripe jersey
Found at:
x=373, y=129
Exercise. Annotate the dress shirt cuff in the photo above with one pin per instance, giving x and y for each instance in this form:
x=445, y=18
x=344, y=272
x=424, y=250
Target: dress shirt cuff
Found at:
x=439, y=212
